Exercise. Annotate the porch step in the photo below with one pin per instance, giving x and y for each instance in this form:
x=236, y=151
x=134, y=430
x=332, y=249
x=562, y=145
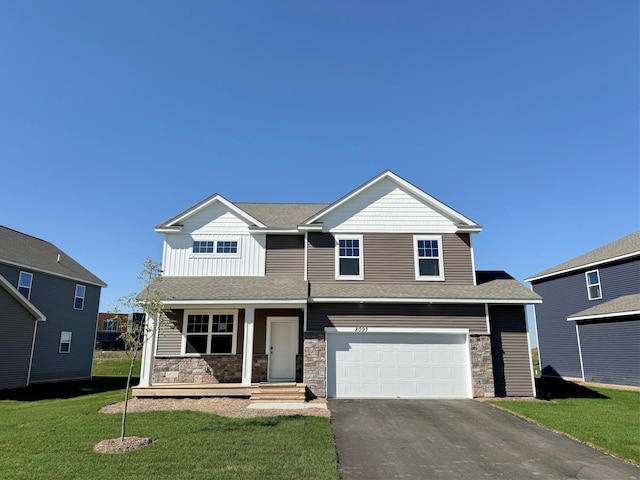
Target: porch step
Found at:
x=278, y=392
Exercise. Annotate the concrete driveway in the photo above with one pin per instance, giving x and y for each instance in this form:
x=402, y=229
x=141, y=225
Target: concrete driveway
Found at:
x=457, y=439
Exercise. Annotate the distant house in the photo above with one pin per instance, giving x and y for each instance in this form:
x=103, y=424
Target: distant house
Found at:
x=589, y=324
x=110, y=326
x=372, y=296
x=48, y=309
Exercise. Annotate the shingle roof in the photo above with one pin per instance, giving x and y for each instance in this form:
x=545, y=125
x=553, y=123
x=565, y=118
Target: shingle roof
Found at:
x=176, y=289
x=499, y=287
x=281, y=215
x=626, y=246
x=616, y=307
x=24, y=250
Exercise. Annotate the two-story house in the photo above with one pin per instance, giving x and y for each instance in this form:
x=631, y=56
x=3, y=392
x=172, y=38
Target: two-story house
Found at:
x=374, y=295
x=111, y=326
x=589, y=324
x=48, y=310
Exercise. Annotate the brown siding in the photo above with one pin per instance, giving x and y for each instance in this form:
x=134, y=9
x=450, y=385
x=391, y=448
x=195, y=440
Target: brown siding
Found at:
x=389, y=258
x=324, y=315
x=285, y=256
x=510, y=351
x=260, y=327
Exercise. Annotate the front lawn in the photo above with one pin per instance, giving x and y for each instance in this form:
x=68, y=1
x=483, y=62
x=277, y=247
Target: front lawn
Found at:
x=606, y=418
x=50, y=432
x=114, y=364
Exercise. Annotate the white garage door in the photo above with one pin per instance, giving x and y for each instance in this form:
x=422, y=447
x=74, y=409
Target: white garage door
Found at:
x=398, y=365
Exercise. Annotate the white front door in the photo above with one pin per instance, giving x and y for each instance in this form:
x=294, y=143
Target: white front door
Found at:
x=282, y=347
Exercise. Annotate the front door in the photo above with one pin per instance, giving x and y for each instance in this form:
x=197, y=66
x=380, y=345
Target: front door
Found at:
x=282, y=347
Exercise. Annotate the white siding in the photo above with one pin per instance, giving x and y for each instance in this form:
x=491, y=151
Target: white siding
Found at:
x=385, y=207
x=215, y=222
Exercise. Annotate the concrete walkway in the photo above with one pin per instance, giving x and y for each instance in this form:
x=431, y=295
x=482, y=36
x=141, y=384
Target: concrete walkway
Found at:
x=458, y=439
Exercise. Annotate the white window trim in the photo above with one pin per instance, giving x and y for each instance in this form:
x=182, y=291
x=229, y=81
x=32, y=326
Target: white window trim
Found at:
x=65, y=341
x=360, y=259
x=76, y=296
x=416, y=259
x=234, y=339
x=215, y=254
x=30, y=283
x=599, y=284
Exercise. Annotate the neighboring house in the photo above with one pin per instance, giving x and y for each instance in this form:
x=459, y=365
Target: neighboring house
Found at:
x=48, y=307
x=589, y=324
x=110, y=326
x=374, y=295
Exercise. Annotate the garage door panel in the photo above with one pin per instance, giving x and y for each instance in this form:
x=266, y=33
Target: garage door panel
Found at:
x=382, y=365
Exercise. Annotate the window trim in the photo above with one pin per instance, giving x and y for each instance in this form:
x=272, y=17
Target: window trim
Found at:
x=360, y=275
x=76, y=296
x=110, y=322
x=589, y=285
x=28, y=295
x=209, y=334
x=416, y=259
x=65, y=341
x=215, y=253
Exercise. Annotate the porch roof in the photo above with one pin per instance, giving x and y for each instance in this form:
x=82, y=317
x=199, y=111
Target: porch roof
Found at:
x=621, y=306
x=231, y=288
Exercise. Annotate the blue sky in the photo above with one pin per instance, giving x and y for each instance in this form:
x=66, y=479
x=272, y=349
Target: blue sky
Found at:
x=523, y=116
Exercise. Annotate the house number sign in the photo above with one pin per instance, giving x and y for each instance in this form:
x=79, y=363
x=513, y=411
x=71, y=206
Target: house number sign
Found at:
x=361, y=329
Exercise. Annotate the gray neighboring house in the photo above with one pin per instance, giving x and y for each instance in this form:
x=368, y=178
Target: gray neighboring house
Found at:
x=589, y=322
x=48, y=310
x=372, y=296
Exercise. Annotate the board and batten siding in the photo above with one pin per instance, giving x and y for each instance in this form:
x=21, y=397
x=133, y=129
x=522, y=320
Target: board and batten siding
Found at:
x=215, y=222
x=512, y=369
x=384, y=207
x=321, y=315
x=285, y=256
x=389, y=258
x=16, y=328
x=611, y=351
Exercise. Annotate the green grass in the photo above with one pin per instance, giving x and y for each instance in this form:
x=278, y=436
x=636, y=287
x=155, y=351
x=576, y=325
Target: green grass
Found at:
x=535, y=358
x=110, y=364
x=606, y=418
x=49, y=432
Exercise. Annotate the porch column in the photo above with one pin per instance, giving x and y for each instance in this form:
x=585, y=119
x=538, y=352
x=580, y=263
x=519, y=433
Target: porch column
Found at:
x=247, y=347
x=148, y=349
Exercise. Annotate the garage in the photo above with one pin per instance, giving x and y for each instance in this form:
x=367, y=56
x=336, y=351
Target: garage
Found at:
x=385, y=363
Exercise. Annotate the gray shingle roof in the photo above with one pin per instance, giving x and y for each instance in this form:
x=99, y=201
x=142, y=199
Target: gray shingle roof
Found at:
x=281, y=215
x=625, y=246
x=24, y=250
x=617, y=306
x=231, y=288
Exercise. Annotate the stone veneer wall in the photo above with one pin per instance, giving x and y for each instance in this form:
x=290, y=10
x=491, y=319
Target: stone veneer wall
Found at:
x=315, y=364
x=481, y=366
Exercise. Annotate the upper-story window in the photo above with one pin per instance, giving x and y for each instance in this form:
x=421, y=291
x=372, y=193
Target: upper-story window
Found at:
x=221, y=247
x=349, y=258
x=210, y=333
x=428, y=257
x=109, y=325
x=24, y=284
x=78, y=300
x=593, y=285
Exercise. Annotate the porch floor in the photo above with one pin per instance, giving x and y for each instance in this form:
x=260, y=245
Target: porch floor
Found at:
x=264, y=392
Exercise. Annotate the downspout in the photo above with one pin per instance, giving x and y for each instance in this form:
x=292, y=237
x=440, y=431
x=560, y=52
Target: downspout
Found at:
x=33, y=348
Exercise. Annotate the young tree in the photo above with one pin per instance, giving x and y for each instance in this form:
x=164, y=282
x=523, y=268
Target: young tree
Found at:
x=148, y=301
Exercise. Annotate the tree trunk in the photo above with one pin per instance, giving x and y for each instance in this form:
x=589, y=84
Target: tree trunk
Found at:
x=126, y=394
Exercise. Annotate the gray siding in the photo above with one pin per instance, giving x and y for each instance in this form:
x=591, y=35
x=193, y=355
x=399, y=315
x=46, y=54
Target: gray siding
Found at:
x=563, y=296
x=323, y=315
x=54, y=296
x=510, y=351
x=611, y=351
x=389, y=258
x=285, y=256
x=16, y=330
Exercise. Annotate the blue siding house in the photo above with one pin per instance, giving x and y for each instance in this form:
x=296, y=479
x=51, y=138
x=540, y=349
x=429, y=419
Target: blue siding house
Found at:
x=48, y=310
x=589, y=322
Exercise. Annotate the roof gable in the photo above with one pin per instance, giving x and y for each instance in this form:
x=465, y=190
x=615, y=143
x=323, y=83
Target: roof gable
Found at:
x=26, y=304
x=625, y=247
x=377, y=203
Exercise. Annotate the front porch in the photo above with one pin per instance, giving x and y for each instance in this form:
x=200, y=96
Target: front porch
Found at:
x=290, y=392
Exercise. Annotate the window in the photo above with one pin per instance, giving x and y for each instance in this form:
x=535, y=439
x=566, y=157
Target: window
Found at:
x=593, y=285
x=78, y=301
x=109, y=325
x=349, y=258
x=65, y=342
x=24, y=284
x=221, y=247
x=210, y=333
x=428, y=257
